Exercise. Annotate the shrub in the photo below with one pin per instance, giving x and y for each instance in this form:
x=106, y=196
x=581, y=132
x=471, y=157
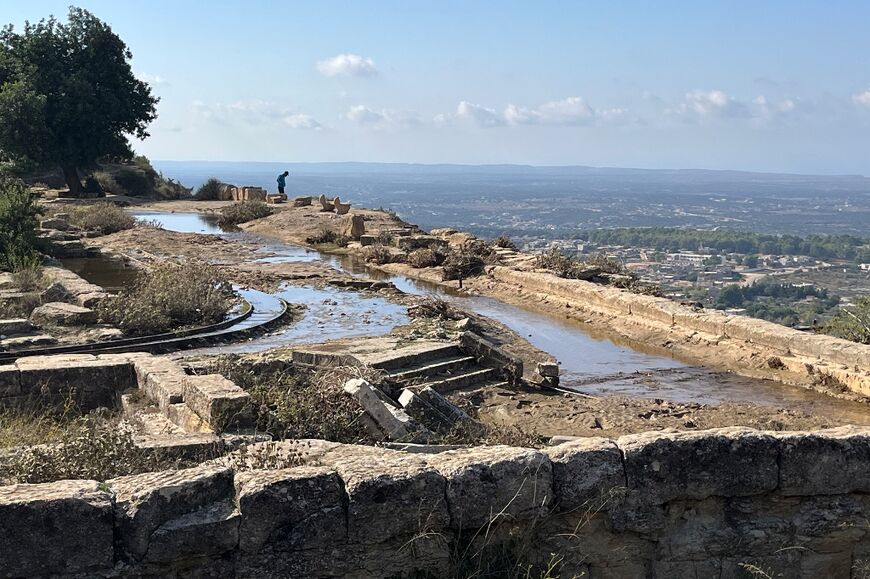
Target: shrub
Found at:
x=18, y=221
x=103, y=217
x=377, y=254
x=605, y=264
x=86, y=448
x=292, y=403
x=384, y=238
x=327, y=236
x=28, y=275
x=209, y=191
x=169, y=297
x=242, y=212
x=505, y=242
x=851, y=324
x=425, y=258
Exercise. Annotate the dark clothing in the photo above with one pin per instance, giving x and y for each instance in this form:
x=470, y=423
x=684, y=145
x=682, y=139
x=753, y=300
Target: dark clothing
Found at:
x=281, y=189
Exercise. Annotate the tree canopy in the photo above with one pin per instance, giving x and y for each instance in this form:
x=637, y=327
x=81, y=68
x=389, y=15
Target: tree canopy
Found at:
x=68, y=95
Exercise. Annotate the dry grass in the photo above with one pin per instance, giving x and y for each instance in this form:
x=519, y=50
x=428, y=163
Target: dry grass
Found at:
x=426, y=257
x=327, y=236
x=378, y=254
x=103, y=217
x=169, y=297
x=242, y=212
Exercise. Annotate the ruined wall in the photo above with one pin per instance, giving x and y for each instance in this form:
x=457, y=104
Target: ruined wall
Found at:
x=657, y=505
x=847, y=361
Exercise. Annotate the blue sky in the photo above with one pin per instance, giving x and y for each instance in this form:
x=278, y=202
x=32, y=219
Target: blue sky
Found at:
x=773, y=85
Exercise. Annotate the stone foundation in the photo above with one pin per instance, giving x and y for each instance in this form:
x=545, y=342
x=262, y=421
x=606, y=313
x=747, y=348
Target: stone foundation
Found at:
x=655, y=505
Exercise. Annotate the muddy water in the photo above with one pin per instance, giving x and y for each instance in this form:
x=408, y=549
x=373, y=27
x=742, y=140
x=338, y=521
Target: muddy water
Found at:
x=591, y=364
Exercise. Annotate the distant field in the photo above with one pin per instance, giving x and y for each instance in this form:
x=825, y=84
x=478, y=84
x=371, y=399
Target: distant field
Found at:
x=556, y=202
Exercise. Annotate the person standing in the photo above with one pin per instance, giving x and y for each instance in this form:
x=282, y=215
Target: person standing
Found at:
x=282, y=182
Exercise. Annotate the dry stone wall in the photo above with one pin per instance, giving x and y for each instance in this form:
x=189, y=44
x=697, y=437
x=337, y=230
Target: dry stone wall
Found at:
x=847, y=361
x=717, y=503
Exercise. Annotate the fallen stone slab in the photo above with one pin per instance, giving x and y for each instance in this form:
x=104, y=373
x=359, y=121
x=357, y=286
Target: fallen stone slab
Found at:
x=57, y=528
x=62, y=314
x=395, y=423
x=450, y=411
x=302, y=201
x=290, y=509
x=494, y=483
x=91, y=382
x=218, y=401
x=146, y=502
x=27, y=342
x=55, y=223
x=424, y=413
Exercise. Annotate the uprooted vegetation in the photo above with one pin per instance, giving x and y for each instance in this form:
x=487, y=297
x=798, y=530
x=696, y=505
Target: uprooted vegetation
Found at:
x=468, y=260
x=380, y=254
x=169, y=297
x=242, y=212
x=103, y=217
x=426, y=257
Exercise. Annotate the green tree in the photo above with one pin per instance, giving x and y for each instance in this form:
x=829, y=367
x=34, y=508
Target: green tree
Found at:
x=68, y=96
x=18, y=213
x=853, y=323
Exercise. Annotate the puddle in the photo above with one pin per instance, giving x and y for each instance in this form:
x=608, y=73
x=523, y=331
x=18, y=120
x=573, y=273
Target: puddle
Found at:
x=110, y=274
x=590, y=364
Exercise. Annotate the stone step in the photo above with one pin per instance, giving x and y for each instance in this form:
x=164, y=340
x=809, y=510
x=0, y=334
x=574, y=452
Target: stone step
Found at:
x=410, y=357
x=15, y=327
x=471, y=378
x=431, y=369
x=25, y=341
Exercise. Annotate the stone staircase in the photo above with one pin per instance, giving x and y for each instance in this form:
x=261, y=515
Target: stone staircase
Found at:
x=18, y=333
x=444, y=367
x=513, y=258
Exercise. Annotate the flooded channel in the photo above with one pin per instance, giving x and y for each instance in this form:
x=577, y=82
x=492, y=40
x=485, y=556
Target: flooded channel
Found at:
x=590, y=364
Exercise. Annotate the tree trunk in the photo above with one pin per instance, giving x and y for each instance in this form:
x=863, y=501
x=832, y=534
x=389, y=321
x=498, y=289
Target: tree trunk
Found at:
x=71, y=176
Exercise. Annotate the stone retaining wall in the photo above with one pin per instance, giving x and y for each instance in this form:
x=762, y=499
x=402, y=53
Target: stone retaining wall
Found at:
x=653, y=505
x=848, y=361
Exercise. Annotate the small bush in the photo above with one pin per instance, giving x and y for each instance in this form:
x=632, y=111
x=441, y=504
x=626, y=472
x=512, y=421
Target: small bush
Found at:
x=86, y=448
x=209, y=191
x=385, y=238
x=18, y=221
x=425, y=258
x=28, y=275
x=327, y=236
x=242, y=212
x=377, y=254
x=605, y=264
x=103, y=217
x=169, y=297
x=505, y=242
x=851, y=324
x=292, y=403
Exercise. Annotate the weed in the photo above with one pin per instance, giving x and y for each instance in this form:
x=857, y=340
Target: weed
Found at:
x=378, y=254
x=28, y=274
x=327, y=236
x=242, y=212
x=169, y=297
x=209, y=191
x=103, y=217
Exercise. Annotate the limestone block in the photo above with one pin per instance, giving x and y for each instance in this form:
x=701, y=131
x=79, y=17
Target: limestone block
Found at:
x=393, y=421
x=302, y=201
x=492, y=483
x=548, y=370
x=145, y=502
x=218, y=401
x=724, y=462
x=91, y=382
x=206, y=532
x=586, y=472
x=54, y=223
x=14, y=326
x=353, y=226
x=325, y=204
x=10, y=381
x=291, y=509
x=165, y=388
x=91, y=299
x=57, y=528
x=835, y=461
x=389, y=494
x=62, y=314
x=340, y=208
x=366, y=240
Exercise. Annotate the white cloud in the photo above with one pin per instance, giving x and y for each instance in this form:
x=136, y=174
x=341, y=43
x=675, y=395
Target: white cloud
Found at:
x=862, y=98
x=347, y=65
x=704, y=105
x=382, y=119
x=365, y=116
x=302, y=121
x=571, y=111
x=471, y=113
x=152, y=79
x=254, y=113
